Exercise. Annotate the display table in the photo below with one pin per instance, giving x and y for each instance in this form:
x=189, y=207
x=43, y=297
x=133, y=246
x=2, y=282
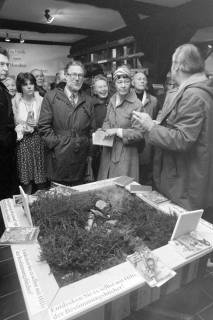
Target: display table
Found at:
x=109, y=295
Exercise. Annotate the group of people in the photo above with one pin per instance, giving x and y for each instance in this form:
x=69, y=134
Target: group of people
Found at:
x=48, y=134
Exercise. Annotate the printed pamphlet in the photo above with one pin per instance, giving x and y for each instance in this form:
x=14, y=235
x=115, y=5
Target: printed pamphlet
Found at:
x=152, y=269
x=191, y=244
x=18, y=235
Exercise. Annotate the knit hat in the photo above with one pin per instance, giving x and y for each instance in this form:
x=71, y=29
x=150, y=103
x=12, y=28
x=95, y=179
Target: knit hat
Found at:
x=122, y=71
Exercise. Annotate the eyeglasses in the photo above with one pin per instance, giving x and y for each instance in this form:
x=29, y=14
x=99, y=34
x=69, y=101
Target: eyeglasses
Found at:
x=4, y=64
x=75, y=75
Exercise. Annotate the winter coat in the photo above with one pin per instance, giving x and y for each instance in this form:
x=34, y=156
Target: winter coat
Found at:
x=150, y=107
x=122, y=159
x=66, y=131
x=7, y=144
x=183, y=164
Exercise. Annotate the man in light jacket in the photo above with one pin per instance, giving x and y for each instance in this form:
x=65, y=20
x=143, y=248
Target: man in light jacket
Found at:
x=183, y=137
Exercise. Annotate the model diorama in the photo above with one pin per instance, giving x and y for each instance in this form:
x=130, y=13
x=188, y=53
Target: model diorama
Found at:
x=82, y=233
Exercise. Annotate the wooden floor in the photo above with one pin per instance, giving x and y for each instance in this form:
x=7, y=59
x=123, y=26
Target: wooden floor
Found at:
x=12, y=306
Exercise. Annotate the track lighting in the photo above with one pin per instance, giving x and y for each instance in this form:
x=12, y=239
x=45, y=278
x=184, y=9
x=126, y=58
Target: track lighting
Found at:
x=48, y=16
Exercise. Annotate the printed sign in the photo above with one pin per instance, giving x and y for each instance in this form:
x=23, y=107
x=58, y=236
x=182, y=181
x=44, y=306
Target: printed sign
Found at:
x=29, y=282
x=93, y=298
x=9, y=213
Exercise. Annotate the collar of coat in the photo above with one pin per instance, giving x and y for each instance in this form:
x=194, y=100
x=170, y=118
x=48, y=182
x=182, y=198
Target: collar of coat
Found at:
x=131, y=97
x=63, y=97
x=2, y=86
x=18, y=97
x=195, y=78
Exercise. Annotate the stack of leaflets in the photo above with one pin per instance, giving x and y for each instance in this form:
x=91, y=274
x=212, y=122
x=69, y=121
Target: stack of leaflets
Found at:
x=152, y=269
x=19, y=235
x=191, y=244
x=153, y=198
x=123, y=181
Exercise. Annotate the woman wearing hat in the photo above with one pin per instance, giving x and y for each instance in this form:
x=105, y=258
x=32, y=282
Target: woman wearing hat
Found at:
x=122, y=158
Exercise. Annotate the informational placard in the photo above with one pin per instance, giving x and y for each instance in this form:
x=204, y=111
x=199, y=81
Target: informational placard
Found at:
x=9, y=213
x=186, y=223
x=25, y=202
x=29, y=282
x=94, y=297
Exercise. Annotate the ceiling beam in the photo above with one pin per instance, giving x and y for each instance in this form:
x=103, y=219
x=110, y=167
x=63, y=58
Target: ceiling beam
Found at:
x=142, y=7
x=160, y=25
x=47, y=28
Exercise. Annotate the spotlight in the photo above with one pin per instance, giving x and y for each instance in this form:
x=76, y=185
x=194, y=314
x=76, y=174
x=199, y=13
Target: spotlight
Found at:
x=209, y=46
x=48, y=16
x=21, y=40
x=7, y=39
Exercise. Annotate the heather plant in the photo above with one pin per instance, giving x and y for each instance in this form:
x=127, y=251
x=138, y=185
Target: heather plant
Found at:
x=73, y=252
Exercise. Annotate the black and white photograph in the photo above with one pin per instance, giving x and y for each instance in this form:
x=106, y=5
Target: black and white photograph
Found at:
x=106, y=152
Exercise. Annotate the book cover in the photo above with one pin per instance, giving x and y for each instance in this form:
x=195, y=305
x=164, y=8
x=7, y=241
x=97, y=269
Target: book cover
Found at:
x=152, y=269
x=191, y=244
x=18, y=235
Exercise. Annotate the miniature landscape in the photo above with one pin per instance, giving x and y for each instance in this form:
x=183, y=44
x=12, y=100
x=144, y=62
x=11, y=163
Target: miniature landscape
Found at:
x=82, y=233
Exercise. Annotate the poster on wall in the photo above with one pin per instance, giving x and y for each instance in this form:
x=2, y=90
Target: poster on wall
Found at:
x=26, y=57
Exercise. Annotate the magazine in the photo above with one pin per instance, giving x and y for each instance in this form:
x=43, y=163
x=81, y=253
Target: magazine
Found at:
x=18, y=235
x=191, y=244
x=153, y=270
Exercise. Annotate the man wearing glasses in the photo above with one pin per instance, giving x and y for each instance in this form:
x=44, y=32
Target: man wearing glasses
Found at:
x=66, y=124
x=7, y=133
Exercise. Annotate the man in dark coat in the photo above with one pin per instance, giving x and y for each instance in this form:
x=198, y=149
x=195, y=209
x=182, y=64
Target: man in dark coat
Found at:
x=66, y=124
x=7, y=134
x=183, y=165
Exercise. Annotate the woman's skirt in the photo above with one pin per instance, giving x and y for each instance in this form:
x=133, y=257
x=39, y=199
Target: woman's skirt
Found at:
x=31, y=159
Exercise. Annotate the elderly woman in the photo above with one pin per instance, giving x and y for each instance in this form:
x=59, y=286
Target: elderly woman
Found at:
x=150, y=105
x=122, y=158
x=10, y=84
x=30, y=147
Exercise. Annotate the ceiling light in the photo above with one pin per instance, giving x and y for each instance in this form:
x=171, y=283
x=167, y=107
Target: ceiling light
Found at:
x=48, y=16
x=209, y=46
x=7, y=39
x=21, y=40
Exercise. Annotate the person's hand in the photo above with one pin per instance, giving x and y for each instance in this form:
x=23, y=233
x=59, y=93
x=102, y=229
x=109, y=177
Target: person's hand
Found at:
x=145, y=120
x=111, y=132
x=31, y=123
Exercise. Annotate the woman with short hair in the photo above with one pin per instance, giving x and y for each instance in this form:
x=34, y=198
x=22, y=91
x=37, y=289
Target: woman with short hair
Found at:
x=122, y=159
x=30, y=148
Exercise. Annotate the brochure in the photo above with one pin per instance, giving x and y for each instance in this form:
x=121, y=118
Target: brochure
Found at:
x=123, y=181
x=136, y=188
x=189, y=245
x=99, y=138
x=18, y=235
x=152, y=269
